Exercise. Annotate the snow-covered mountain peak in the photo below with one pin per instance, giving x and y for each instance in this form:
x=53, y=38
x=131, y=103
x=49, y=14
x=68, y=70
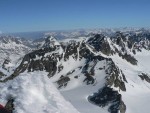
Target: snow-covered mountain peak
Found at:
x=50, y=41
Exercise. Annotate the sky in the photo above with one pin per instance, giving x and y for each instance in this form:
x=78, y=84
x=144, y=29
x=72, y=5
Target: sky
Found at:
x=41, y=15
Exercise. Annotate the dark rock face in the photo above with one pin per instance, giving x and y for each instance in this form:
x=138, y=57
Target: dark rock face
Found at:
x=63, y=81
x=60, y=68
x=2, y=74
x=89, y=71
x=84, y=52
x=3, y=111
x=100, y=43
x=129, y=58
x=10, y=106
x=106, y=96
x=47, y=63
x=89, y=79
x=37, y=60
x=121, y=40
x=70, y=72
x=71, y=50
x=145, y=77
x=115, y=76
x=96, y=40
x=6, y=61
x=140, y=40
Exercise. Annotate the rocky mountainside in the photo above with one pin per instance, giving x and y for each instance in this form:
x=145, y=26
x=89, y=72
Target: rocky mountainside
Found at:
x=98, y=73
x=12, y=45
x=12, y=50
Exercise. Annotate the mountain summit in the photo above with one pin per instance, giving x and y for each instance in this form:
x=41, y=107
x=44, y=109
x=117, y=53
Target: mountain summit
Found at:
x=50, y=41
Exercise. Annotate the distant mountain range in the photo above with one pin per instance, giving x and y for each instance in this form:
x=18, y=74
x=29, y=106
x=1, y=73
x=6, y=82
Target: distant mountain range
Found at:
x=62, y=34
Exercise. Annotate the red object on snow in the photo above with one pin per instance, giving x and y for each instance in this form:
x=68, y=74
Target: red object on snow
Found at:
x=3, y=110
x=1, y=107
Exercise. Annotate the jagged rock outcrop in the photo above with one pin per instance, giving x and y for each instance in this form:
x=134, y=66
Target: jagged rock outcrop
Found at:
x=129, y=58
x=5, y=63
x=88, y=71
x=145, y=77
x=100, y=43
x=2, y=74
x=63, y=81
x=107, y=96
x=123, y=46
x=10, y=105
x=45, y=58
x=115, y=76
x=71, y=50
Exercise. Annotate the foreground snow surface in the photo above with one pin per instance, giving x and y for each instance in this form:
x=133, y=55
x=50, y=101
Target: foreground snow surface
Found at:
x=34, y=93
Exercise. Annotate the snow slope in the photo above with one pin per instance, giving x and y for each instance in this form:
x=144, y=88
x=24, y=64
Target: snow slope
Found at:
x=34, y=93
x=137, y=95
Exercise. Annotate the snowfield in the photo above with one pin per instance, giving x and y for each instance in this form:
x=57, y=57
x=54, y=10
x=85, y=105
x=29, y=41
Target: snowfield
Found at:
x=137, y=96
x=34, y=93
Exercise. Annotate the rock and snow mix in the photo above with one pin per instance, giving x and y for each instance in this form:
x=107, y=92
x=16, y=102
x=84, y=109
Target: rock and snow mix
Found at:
x=12, y=50
x=96, y=74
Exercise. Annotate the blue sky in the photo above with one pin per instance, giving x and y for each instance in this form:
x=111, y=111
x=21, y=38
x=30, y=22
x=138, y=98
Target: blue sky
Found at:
x=39, y=15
